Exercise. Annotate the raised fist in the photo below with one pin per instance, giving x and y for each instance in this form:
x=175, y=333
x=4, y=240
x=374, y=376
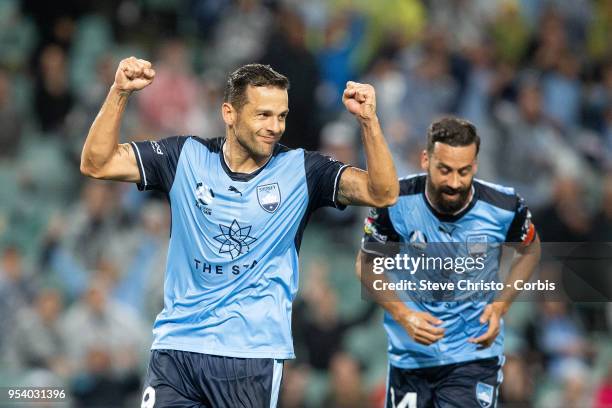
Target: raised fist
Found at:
x=133, y=74
x=360, y=100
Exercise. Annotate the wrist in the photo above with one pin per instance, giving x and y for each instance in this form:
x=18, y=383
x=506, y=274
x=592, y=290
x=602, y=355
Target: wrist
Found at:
x=368, y=121
x=119, y=92
x=501, y=307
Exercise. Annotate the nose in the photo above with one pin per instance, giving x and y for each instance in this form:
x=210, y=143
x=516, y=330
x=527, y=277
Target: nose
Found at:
x=454, y=181
x=274, y=125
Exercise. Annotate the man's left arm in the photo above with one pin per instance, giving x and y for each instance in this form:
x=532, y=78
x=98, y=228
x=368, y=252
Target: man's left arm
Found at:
x=522, y=234
x=377, y=186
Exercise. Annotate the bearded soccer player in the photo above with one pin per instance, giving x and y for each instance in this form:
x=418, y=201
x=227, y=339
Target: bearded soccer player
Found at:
x=239, y=206
x=447, y=351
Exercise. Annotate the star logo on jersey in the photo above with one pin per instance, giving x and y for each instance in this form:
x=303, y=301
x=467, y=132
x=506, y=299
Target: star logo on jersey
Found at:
x=234, y=239
x=269, y=197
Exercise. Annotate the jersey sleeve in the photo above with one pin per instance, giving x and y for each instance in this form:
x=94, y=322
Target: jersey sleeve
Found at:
x=522, y=229
x=377, y=230
x=323, y=180
x=157, y=161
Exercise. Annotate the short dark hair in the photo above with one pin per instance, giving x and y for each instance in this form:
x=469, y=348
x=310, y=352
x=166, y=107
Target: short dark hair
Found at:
x=254, y=75
x=453, y=132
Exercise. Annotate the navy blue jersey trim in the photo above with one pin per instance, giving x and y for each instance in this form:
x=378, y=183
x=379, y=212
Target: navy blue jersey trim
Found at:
x=412, y=185
x=495, y=197
x=216, y=146
x=213, y=145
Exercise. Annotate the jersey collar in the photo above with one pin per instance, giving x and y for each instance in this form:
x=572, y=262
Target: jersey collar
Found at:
x=235, y=176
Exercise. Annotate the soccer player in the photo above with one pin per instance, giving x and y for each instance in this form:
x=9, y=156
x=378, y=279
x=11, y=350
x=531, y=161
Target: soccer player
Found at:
x=447, y=351
x=239, y=206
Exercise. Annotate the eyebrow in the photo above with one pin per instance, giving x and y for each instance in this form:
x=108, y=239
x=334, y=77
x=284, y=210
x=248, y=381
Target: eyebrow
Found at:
x=258, y=111
x=469, y=166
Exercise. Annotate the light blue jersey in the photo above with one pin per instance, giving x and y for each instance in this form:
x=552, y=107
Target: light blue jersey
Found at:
x=232, y=268
x=495, y=215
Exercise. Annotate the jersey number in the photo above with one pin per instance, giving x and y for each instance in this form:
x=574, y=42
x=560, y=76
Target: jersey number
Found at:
x=409, y=400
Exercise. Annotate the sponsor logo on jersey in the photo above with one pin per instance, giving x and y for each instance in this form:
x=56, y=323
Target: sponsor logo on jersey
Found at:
x=235, y=239
x=156, y=148
x=269, y=197
x=484, y=394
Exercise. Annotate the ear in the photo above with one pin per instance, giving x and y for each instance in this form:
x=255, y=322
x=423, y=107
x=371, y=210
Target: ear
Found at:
x=424, y=160
x=475, y=166
x=229, y=114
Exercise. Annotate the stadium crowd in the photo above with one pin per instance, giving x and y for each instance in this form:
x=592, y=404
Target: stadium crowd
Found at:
x=82, y=262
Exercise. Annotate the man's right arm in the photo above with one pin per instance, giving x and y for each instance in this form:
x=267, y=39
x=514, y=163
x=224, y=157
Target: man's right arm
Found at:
x=102, y=156
x=379, y=234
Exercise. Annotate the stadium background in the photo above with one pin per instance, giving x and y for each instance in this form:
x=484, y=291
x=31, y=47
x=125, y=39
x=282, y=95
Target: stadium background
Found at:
x=82, y=262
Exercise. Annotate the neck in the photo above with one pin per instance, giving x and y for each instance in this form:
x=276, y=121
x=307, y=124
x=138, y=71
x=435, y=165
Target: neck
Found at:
x=467, y=202
x=238, y=159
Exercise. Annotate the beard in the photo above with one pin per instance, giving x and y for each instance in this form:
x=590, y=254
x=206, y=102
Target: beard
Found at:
x=443, y=203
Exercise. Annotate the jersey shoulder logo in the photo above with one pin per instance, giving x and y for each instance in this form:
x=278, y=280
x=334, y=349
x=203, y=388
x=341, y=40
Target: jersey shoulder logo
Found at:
x=269, y=197
x=235, y=239
x=204, y=196
x=484, y=394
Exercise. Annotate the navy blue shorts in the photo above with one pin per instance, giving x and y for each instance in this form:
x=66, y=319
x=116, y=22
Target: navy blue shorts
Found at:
x=462, y=385
x=177, y=379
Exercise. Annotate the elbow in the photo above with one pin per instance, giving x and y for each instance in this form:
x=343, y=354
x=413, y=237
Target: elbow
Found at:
x=387, y=197
x=89, y=171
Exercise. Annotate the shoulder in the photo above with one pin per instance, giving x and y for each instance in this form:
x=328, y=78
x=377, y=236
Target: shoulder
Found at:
x=412, y=184
x=213, y=145
x=497, y=195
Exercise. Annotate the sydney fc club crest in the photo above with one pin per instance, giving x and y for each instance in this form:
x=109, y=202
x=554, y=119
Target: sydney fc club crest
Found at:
x=484, y=394
x=269, y=197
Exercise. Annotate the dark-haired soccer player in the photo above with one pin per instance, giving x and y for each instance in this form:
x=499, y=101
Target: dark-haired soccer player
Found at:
x=445, y=350
x=239, y=206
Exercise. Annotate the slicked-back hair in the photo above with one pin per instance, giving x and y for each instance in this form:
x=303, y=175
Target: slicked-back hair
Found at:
x=254, y=75
x=453, y=132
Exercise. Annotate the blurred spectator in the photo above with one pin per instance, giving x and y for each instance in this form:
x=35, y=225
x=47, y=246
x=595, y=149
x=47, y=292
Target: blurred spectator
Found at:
x=602, y=224
x=347, y=389
x=293, y=386
x=16, y=290
x=53, y=98
x=98, y=386
x=566, y=218
x=286, y=52
x=317, y=322
x=240, y=36
x=97, y=322
x=11, y=122
x=169, y=101
x=36, y=339
x=603, y=393
x=561, y=340
x=342, y=35
x=517, y=386
x=531, y=152
x=562, y=93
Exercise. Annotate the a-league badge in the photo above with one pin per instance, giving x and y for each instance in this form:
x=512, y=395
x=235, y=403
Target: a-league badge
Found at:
x=269, y=197
x=477, y=245
x=484, y=394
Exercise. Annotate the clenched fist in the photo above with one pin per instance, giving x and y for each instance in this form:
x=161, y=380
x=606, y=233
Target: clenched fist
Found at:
x=133, y=74
x=360, y=100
